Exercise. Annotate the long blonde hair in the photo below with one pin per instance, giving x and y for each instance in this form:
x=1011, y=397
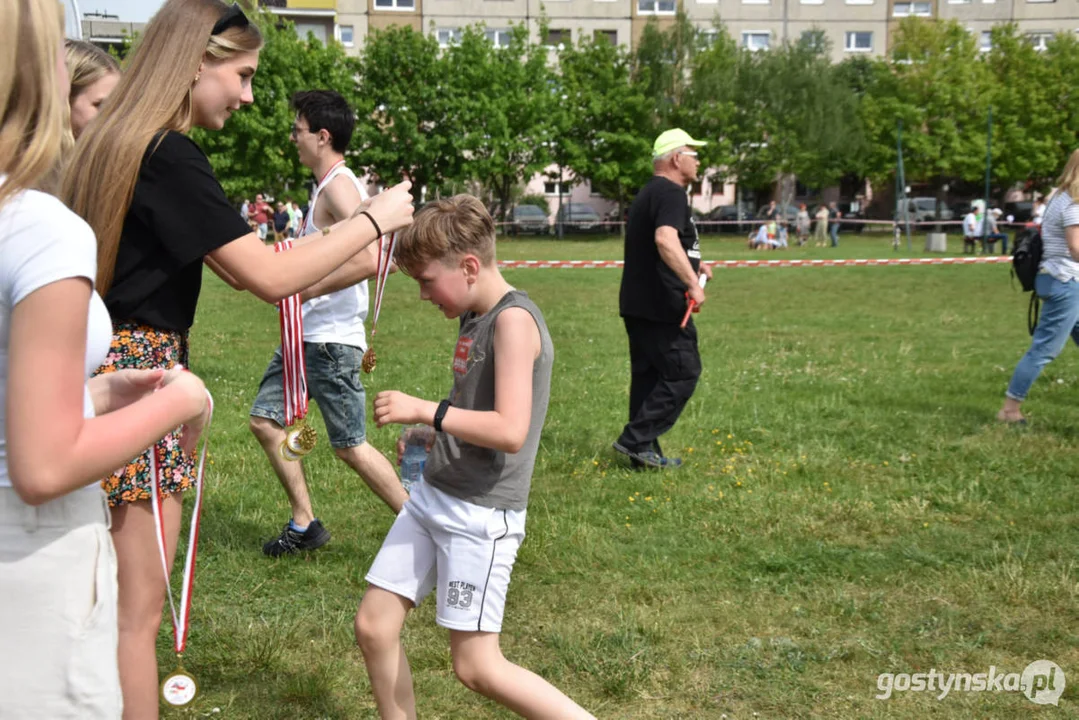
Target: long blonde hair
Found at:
x=154, y=94
x=1069, y=179
x=32, y=123
x=86, y=64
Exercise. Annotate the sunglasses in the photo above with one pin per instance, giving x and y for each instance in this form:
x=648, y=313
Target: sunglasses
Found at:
x=233, y=17
x=689, y=153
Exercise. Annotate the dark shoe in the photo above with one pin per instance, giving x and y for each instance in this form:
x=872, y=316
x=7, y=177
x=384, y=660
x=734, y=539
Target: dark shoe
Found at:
x=290, y=541
x=646, y=458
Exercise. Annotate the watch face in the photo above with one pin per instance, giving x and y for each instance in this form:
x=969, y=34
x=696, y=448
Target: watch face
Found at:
x=179, y=689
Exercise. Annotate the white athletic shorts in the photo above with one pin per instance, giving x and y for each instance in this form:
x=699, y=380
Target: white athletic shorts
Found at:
x=58, y=622
x=465, y=551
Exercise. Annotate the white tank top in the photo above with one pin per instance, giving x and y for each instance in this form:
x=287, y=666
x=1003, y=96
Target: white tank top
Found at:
x=337, y=317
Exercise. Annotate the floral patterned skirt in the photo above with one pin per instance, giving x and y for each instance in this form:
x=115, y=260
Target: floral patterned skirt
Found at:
x=144, y=347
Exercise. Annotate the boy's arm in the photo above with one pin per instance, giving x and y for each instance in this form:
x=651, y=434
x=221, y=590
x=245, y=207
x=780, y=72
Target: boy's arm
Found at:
x=341, y=199
x=516, y=347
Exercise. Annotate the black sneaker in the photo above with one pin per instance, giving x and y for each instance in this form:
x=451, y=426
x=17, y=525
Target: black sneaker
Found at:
x=647, y=458
x=290, y=541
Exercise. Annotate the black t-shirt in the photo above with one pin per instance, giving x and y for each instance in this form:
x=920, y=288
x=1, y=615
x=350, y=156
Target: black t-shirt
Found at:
x=650, y=289
x=178, y=214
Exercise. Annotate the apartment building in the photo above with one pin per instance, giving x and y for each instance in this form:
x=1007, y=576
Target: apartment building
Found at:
x=851, y=26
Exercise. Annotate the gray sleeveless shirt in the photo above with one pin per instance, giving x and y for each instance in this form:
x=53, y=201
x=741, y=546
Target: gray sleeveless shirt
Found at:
x=480, y=475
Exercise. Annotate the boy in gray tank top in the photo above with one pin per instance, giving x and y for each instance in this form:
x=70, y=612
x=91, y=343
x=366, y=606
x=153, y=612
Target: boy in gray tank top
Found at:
x=459, y=532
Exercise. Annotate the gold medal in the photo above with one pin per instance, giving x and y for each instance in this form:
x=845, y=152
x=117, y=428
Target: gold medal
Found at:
x=179, y=688
x=369, y=360
x=300, y=440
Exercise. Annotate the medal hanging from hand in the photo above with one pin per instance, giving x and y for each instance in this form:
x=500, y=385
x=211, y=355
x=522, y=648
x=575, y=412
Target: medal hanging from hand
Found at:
x=179, y=687
x=300, y=438
x=382, y=272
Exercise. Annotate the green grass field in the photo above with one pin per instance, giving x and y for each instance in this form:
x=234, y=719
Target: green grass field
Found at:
x=848, y=506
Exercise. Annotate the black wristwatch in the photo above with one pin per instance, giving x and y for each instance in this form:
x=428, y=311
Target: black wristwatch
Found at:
x=440, y=414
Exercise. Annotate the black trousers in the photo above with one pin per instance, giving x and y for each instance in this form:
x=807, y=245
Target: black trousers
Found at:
x=664, y=367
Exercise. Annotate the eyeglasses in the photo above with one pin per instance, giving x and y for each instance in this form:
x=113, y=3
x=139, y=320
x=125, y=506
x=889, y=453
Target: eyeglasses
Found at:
x=688, y=153
x=296, y=130
x=233, y=17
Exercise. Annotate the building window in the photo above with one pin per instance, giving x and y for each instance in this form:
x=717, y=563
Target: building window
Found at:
x=316, y=29
x=918, y=9
x=710, y=36
x=959, y=2
x=985, y=43
x=551, y=188
x=756, y=2
x=754, y=41
x=1040, y=40
x=859, y=42
x=499, y=37
x=1041, y=1
x=812, y=2
x=655, y=7
x=556, y=38
x=347, y=35
x=448, y=36
x=859, y=2
x=610, y=36
x=404, y=5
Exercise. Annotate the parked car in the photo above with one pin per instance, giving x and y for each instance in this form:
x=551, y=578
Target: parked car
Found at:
x=784, y=213
x=578, y=218
x=923, y=209
x=852, y=210
x=529, y=219
x=728, y=216
x=1022, y=211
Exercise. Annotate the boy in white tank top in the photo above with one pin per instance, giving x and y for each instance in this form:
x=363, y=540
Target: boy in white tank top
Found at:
x=334, y=339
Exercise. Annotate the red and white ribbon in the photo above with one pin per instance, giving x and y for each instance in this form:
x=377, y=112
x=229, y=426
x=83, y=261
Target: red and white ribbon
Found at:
x=294, y=366
x=386, y=248
x=181, y=622
x=809, y=262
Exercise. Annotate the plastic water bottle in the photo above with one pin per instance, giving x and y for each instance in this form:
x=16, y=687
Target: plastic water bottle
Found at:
x=414, y=457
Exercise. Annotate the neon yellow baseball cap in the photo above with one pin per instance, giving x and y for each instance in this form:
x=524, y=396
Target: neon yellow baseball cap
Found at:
x=672, y=140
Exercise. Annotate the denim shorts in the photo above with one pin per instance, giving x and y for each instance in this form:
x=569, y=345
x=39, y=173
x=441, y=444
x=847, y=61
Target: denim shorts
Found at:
x=333, y=381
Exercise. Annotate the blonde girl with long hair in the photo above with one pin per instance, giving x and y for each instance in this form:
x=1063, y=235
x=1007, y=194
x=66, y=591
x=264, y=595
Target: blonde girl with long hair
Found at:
x=59, y=431
x=94, y=74
x=1057, y=285
x=149, y=193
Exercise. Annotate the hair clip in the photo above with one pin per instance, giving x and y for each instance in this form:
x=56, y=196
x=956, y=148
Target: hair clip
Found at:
x=233, y=17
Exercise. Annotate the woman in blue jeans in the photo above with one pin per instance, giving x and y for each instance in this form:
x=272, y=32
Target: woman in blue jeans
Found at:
x=1057, y=285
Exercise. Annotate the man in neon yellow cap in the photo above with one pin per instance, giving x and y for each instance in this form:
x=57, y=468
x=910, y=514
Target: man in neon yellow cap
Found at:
x=660, y=275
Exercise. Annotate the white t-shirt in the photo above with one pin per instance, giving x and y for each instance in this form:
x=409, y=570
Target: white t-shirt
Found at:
x=337, y=317
x=41, y=242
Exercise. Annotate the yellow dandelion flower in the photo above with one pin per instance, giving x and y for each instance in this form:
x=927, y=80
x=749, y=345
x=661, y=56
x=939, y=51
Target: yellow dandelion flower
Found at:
x=648, y=498
x=885, y=463
x=632, y=499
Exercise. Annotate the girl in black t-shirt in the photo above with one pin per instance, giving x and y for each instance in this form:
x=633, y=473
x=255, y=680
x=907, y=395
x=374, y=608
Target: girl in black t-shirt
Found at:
x=159, y=213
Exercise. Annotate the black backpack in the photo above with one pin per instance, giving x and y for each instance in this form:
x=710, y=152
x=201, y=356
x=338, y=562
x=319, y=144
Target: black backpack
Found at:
x=1026, y=258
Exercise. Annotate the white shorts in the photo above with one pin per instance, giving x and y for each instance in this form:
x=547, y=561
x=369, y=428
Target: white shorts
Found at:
x=58, y=609
x=466, y=551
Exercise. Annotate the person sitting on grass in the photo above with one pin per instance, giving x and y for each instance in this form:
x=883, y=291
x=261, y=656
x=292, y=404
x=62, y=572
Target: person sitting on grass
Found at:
x=460, y=529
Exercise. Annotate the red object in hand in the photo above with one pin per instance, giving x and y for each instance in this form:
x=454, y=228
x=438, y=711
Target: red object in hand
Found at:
x=691, y=306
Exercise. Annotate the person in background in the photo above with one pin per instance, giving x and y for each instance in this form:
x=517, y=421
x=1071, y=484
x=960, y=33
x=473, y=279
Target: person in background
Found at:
x=94, y=73
x=833, y=223
x=801, y=224
x=660, y=275
x=59, y=431
x=820, y=235
x=1057, y=284
x=159, y=213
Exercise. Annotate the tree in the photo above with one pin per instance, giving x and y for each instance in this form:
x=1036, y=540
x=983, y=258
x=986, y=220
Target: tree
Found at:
x=1062, y=58
x=937, y=85
x=1026, y=121
x=253, y=153
x=410, y=113
x=506, y=102
x=606, y=126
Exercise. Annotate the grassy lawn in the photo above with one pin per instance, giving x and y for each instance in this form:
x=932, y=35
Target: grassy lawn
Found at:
x=848, y=506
